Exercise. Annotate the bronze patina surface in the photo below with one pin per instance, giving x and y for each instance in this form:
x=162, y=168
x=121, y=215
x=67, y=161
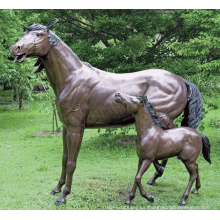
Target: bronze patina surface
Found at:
x=85, y=94
x=155, y=144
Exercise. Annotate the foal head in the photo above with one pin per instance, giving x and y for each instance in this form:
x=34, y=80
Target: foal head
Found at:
x=131, y=103
x=36, y=41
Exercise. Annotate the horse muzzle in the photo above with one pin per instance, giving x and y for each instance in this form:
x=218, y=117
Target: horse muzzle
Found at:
x=16, y=51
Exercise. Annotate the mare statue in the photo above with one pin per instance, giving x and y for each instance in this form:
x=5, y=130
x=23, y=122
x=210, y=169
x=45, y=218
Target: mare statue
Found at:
x=155, y=143
x=85, y=95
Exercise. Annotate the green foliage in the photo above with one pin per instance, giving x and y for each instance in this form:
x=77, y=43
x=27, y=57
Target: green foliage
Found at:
x=19, y=76
x=203, y=47
x=182, y=41
x=126, y=38
x=112, y=132
x=185, y=42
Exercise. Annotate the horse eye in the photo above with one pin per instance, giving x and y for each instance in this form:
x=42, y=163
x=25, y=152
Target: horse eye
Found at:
x=38, y=34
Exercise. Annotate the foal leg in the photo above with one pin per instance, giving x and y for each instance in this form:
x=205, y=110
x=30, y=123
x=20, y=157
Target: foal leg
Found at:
x=192, y=169
x=133, y=191
x=74, y=139
x=159, y=171
x=62, y=179
x=144, y=166
x=198, y=185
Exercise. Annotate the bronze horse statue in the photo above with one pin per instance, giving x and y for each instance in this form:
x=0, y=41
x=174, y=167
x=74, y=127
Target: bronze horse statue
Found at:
x=155, y=143
x=85, y=95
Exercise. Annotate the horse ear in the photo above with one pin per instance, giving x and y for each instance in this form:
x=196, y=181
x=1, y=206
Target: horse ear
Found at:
x=51, y=24
x=25, y=28
x=143, y=99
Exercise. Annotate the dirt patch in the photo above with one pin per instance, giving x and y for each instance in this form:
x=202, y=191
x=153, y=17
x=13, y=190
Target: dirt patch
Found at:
x=123, y=193
x=47, y=134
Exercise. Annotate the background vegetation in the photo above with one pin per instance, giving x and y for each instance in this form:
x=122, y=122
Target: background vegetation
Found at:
x=185, y=42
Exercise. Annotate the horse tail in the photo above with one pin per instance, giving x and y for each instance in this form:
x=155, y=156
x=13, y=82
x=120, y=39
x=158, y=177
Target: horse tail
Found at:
x=206, y=148
x=193, y=110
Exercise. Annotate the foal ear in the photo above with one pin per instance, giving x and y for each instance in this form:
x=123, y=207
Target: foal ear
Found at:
x=51, y=24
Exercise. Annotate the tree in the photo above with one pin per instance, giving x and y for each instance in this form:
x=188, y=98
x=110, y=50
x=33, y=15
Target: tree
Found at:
x=203, y=48
x=131, y=40
x=115, y=40
x=182, y=41
x=19, y=77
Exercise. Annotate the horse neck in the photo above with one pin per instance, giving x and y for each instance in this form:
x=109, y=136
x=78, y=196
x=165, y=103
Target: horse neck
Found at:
x=61, y=63
x=144, y=122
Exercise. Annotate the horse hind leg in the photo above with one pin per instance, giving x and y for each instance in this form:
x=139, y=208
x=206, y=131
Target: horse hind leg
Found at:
x=198, y=184
x=192, y=169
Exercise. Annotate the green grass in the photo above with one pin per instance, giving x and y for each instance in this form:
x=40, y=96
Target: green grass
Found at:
x=30, y=167
x=6, y=95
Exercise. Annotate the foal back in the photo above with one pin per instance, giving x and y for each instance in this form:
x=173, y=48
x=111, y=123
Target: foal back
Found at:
x=183, y=142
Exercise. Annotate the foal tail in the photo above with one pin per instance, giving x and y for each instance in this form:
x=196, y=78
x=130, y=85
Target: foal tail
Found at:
x=193, y=110
x=206, y=148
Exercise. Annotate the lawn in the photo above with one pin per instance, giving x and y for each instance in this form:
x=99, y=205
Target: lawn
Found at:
x=30, y=166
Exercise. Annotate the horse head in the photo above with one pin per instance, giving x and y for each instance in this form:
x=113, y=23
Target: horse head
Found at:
x=131, y=103
x=36, y=41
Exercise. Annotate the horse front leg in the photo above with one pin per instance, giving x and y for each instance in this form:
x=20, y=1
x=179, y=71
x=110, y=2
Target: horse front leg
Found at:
x=62, y=179
x=134, y=188
x=144, y=166
x=74, y=140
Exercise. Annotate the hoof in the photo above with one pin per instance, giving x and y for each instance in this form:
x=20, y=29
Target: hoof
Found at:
x=151, y=183
x=151, y=198
x=57, y=203
x=195, y=191
x=182, y=204
x=54, y=192
x=128, y=202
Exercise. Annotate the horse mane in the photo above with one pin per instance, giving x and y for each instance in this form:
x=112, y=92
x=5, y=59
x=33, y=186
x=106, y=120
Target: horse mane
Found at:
x=151, y=110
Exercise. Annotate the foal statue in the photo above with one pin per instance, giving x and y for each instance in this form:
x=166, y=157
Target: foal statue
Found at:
x=85, y=95
x=155, y=144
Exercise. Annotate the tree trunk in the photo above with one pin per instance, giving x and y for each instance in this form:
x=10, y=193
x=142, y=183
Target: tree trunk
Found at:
x=55, y=118
x=20, y=99
x=15, y=96
x=53, y=121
